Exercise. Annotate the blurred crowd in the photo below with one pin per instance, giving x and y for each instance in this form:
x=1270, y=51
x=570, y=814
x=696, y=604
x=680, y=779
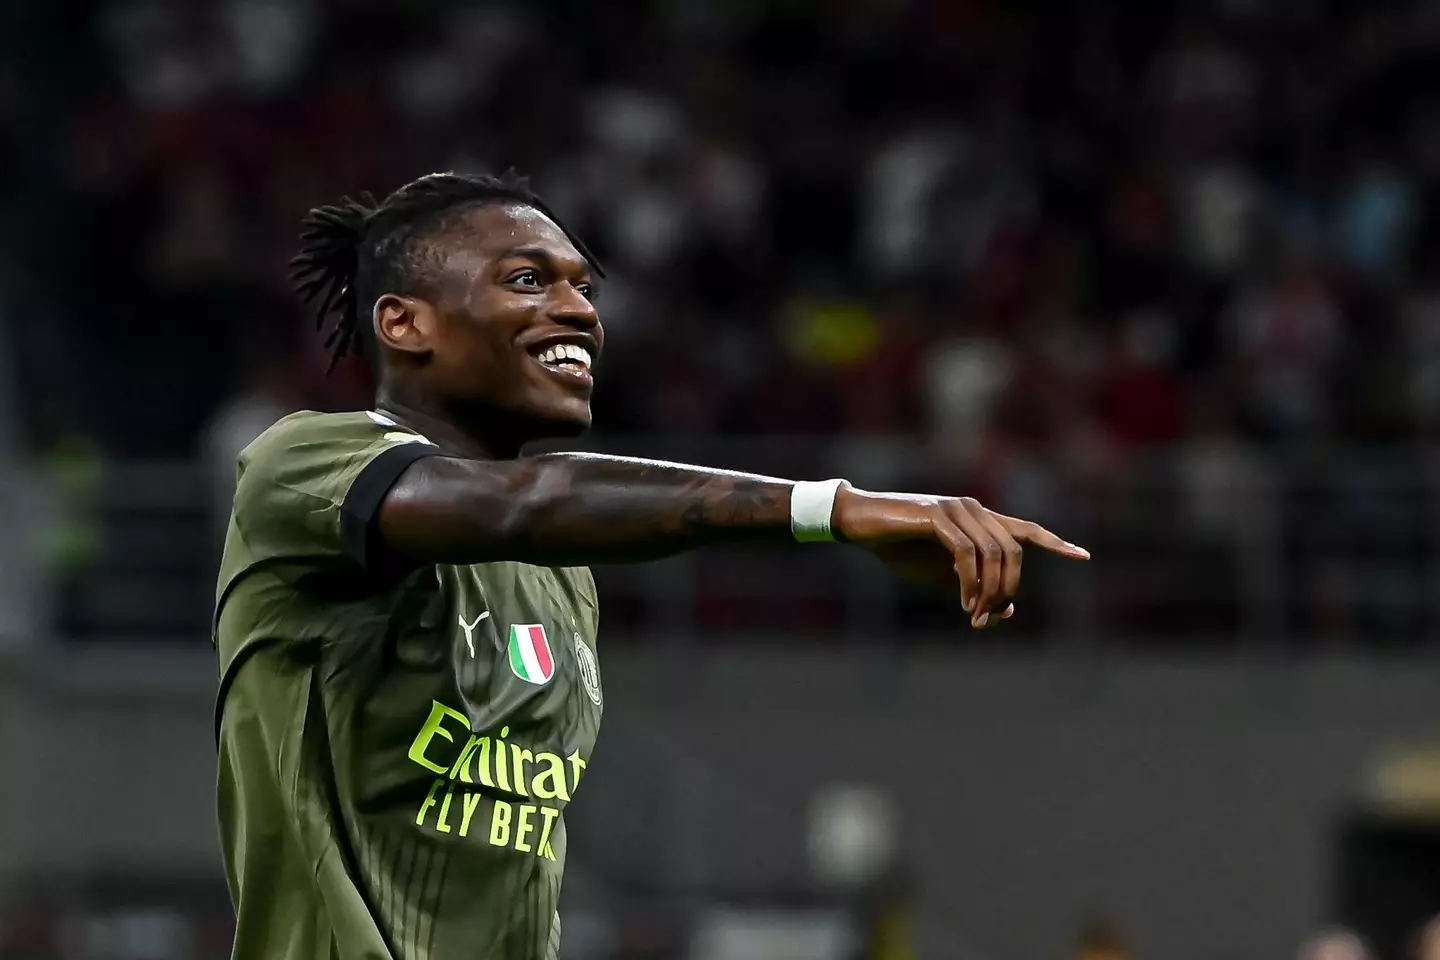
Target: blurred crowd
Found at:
x=1034, y=225
x=1028, y=240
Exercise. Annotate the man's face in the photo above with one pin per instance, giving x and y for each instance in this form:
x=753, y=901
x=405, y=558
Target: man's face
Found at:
x=516, y=331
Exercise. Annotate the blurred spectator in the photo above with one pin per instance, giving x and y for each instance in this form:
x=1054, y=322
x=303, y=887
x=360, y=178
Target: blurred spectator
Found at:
x=1218, y=217
x=269, y=395
x=1337, y=944
x=852, y=839
x=1376, y=213
x=1287, y=335
x=1140, y=399
x=1222, y=479
x=1426, y=945
x=964, y=379
x=1101, y=939
x=854, y=855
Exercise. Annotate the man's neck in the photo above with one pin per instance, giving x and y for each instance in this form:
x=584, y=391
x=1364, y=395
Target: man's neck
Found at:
x=445, y=432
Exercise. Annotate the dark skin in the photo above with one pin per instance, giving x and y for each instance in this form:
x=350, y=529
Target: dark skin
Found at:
x=462, y=368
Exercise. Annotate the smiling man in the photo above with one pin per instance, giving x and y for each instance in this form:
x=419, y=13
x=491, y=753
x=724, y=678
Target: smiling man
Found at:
x=410, y=689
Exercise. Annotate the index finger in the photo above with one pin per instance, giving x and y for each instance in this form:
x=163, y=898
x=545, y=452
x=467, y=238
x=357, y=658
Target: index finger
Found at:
x=1027, y=531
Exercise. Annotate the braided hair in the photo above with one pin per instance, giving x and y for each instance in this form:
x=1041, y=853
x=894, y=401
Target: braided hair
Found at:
x=356, y=250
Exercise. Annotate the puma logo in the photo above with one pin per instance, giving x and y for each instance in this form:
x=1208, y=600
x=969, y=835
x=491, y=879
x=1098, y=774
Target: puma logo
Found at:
x=469, y=629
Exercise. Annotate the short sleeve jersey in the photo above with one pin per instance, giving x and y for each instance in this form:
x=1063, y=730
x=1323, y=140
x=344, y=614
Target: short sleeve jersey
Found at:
x=397, y=746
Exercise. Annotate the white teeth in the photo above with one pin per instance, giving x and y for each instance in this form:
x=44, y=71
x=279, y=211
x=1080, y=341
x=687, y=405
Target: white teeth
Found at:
x=566, y=351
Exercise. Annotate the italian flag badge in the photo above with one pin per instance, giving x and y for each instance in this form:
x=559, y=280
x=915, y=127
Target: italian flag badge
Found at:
x=530, y=656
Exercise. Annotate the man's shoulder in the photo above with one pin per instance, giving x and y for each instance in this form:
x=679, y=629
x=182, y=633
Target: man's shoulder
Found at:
x=311, y=483
x=316, y=440
x=306, y=426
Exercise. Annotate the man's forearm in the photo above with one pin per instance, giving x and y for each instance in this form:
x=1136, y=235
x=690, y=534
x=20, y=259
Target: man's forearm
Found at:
x=575, y=509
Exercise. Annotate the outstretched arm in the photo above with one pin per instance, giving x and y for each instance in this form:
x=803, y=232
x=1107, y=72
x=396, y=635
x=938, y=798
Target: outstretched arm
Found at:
x=575, y=509
x=580, y=509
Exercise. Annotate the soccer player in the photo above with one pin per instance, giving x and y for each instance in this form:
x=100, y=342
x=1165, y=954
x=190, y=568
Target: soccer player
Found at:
x=410, y=690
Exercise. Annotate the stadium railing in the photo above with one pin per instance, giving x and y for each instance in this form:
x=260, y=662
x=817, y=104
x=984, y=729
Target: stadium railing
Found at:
x=1221, y=547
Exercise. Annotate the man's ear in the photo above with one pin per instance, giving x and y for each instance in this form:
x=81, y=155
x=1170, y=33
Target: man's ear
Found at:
x=405, y=324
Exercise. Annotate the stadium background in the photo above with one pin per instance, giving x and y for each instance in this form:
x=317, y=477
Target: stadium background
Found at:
x=1162, y=276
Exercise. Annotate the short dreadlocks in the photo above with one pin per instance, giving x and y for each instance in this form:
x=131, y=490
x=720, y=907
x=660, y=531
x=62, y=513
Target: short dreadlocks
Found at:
x=354, y=251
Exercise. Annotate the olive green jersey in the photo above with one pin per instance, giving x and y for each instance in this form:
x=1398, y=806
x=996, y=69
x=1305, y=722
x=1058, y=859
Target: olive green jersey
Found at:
x=397, y=746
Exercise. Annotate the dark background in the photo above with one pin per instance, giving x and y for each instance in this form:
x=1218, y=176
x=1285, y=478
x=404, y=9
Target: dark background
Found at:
x=1161, y=276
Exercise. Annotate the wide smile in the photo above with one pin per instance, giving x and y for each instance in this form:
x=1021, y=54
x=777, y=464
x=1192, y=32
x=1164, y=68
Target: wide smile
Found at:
x=569, y=362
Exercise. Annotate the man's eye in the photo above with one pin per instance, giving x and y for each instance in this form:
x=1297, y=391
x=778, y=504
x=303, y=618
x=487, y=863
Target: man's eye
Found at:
x=526, y=278
x=587, y=290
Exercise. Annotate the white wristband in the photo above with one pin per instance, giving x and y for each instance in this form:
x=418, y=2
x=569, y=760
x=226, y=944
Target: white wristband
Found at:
x=811, y=504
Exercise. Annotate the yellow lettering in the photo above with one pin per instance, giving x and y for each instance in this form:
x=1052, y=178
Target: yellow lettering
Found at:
x=472, y=800
x=549, y=783
x=520, y=755
x=433, y=725
x=500, y=824
x=523, y=827
x=461, y=767
x=485, y=763
x=429, y=802
x=440, y=824
x=549, y=852
x=502, y=766
x=550, y=814
x=577, y=767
